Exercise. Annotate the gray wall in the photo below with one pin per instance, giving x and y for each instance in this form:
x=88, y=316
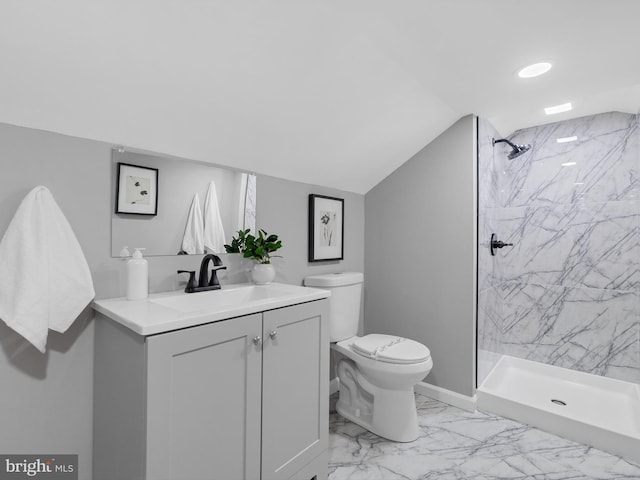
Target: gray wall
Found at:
x=283, y=209
x=46, y=405
x=420, y=226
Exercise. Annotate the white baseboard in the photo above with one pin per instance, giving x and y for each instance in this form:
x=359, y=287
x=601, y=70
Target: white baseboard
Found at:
x=447, y=396
x=437, y=393
x=334, y=385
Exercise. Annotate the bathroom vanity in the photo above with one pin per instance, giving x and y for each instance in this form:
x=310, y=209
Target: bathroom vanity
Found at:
x=229, y=384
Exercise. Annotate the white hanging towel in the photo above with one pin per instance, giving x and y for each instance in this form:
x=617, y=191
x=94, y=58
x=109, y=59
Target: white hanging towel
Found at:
x=193, y=240
x=213, y=230
x=45, y=281
x=247, y=202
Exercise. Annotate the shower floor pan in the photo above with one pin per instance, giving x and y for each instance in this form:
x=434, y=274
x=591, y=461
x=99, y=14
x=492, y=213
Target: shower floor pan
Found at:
x=589, y=409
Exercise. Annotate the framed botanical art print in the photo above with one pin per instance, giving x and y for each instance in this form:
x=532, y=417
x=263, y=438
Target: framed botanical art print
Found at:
x=137, y=190
x=326, y=228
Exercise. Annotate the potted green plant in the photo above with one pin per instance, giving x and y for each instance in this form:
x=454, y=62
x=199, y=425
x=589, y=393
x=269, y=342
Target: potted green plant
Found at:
x=259, y=248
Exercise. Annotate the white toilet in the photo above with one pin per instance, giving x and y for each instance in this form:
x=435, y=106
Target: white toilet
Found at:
x=377, y=372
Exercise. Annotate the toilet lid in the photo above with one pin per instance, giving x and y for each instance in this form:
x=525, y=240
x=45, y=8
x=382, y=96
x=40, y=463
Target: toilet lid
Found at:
x=391, y=349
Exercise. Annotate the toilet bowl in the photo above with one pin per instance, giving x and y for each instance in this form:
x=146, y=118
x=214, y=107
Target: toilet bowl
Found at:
x=376, y=393
x=377, y=373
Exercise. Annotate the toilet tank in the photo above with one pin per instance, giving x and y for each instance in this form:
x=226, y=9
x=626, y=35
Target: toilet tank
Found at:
x=344, y=309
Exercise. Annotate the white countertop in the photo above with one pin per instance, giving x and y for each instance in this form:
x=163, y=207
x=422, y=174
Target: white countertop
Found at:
x=163, y=312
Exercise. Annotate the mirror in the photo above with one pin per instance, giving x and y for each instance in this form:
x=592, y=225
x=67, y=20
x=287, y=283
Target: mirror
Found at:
x=178, y=181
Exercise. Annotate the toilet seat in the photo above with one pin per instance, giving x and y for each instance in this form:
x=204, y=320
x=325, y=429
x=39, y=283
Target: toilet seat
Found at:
x=390, y=349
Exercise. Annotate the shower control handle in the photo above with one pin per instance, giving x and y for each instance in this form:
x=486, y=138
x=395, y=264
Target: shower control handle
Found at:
x=495, y=244
x=501, y=244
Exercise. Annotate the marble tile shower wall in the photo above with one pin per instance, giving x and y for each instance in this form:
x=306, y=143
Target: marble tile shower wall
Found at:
x=568, y=292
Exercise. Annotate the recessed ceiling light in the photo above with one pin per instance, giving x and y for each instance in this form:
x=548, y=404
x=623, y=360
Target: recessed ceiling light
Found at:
x=568, y=164
x=565, y=107
x=534, y=70
x=566, y=139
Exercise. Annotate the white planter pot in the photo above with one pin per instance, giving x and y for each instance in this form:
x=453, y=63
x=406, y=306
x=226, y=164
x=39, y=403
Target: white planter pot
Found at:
x=263, y=273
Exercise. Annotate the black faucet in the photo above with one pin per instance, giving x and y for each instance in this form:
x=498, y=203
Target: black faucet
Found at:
x=205, y=282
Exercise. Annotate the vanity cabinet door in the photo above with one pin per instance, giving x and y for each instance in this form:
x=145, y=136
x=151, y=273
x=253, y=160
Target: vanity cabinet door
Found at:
x=295, y=377
x=203, y=402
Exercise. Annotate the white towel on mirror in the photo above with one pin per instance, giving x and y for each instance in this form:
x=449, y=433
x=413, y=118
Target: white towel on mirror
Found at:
x=193, y=239
x=45, y=281
x=213, y=230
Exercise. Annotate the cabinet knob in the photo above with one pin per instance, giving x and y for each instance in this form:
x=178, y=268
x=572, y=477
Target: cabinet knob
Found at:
x=273, y=335
x=257, y=340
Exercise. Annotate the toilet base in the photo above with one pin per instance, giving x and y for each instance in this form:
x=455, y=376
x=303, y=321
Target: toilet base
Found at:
x=390, y=414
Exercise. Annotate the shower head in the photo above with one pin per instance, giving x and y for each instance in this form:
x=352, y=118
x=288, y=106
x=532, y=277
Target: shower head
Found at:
x=516, y=151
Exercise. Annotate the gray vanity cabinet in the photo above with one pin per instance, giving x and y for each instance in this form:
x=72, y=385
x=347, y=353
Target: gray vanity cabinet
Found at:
x=203, y=402
x=244, y=398
x=295, y=392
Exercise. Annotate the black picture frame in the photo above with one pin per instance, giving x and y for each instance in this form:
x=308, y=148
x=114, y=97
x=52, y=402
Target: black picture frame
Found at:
x=326, y=228
x=137, y=190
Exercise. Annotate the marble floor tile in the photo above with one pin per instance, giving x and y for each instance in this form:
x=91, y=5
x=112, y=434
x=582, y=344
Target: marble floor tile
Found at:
x=455, y=444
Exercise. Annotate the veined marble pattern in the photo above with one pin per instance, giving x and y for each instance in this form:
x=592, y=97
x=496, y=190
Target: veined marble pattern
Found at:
x=489, y=166
x=604, y=157
x=490, y=319
x=590, y=330
x=566, y=293
x=593, y=246
x=459, y=445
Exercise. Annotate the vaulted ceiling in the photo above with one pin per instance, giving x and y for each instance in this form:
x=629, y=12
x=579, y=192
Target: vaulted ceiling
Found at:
x=331, y=92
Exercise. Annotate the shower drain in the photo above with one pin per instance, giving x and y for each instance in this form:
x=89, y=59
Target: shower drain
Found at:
x=558, y=402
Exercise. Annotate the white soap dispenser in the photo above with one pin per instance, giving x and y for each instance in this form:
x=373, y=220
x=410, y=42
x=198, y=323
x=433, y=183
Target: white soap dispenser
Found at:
x=137, y=276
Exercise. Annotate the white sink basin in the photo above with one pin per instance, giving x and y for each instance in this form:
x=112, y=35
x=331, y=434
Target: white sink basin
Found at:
x=224, y=298
x=163, y=312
